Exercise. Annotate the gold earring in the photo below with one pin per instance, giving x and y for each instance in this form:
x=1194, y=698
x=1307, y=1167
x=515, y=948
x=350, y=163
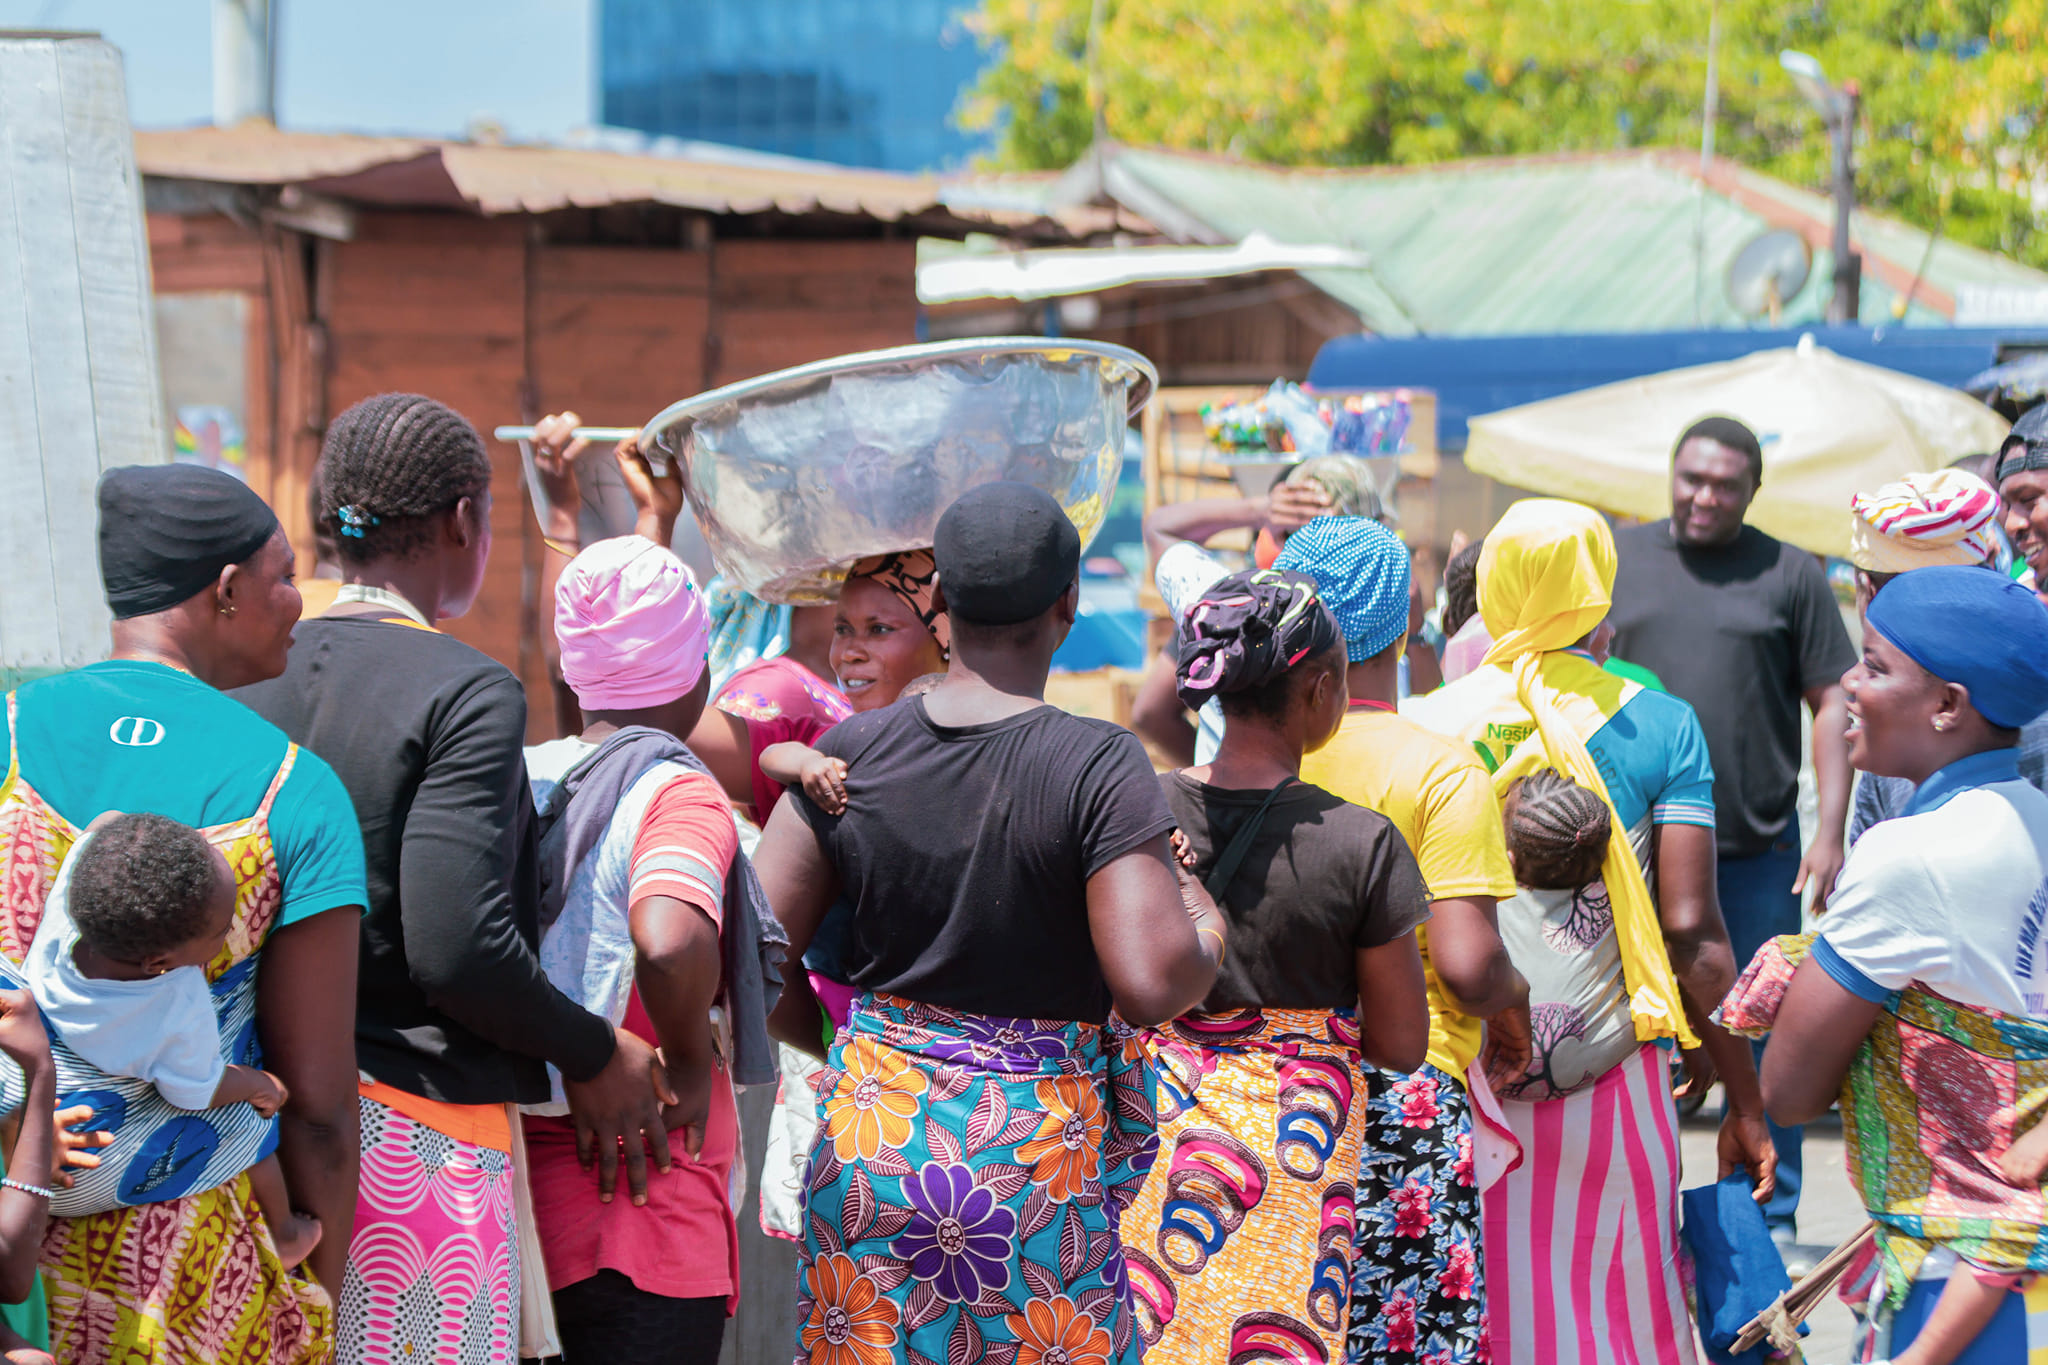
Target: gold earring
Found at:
x=226, y=609
x=1939, y=727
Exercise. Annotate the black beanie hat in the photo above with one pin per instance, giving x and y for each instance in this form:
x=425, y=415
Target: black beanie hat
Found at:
x=1005, y=553
x=167, y=530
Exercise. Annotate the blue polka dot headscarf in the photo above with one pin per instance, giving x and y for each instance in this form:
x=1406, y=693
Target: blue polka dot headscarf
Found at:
x=1362, y=571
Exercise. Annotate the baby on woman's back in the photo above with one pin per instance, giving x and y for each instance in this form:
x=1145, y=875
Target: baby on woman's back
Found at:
x=138, y=910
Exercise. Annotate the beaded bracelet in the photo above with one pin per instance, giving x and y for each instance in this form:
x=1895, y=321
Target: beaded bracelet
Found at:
x=25, y=1188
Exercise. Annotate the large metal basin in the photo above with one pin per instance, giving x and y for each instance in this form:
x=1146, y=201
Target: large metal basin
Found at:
x=796, y=475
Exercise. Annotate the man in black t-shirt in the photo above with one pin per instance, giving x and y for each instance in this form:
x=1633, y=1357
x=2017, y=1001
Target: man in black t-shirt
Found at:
x=1745, y=628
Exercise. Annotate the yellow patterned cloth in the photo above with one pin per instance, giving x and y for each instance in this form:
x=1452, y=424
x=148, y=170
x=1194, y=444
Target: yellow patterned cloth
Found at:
x=1936, y=1093
x=1239, y=1246
x=186, y=1281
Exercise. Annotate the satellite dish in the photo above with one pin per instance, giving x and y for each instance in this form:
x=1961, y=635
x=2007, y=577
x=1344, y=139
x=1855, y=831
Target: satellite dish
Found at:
x=1767, y=273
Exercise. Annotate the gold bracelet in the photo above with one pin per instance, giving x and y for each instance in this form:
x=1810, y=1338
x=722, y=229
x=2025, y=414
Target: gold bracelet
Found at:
x=1201, y=929
x=567, y=551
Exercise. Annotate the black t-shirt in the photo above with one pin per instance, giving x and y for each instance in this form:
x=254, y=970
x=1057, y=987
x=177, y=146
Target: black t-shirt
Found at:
x=1323, y=878
x=1741, y=631
x=966, y=853
x=428, y=736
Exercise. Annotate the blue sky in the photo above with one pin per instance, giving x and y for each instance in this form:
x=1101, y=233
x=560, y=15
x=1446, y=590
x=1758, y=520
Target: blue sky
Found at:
x=376, y=66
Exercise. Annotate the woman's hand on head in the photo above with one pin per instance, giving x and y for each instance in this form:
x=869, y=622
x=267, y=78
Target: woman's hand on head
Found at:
x=657, y=498
x=1291, y=506
x=556, y=448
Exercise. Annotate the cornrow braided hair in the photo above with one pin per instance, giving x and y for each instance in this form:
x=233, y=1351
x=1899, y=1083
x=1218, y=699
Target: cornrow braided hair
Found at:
x=1557, y=832
x=389, y=466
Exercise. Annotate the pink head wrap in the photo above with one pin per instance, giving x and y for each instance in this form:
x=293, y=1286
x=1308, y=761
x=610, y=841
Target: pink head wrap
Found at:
x=633, y=625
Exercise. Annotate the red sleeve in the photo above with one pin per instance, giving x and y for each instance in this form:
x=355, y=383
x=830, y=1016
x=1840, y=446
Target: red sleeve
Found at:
x=686, y=845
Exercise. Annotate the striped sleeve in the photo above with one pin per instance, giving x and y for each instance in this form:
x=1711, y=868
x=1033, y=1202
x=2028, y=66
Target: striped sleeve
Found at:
x=686, y=845
x=1687, y=794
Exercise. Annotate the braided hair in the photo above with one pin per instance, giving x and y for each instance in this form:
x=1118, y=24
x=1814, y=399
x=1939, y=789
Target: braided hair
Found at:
x=141, y=885
x=1461, y=588
x=389, y=466
x=1557, y=832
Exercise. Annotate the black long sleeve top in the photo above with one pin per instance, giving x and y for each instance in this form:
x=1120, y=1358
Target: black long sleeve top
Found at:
x=427, y=734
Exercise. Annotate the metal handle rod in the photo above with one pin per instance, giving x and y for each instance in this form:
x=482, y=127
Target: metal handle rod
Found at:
x=580, y=433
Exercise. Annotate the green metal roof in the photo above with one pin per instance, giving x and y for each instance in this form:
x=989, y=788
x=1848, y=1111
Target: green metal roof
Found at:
x=1631, y=241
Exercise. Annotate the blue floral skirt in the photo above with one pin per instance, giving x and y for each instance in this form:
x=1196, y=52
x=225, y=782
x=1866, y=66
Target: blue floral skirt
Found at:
x=964, y=1191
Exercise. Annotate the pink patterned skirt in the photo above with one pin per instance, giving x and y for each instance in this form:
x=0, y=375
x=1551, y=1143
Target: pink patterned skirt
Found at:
x=433, y=1267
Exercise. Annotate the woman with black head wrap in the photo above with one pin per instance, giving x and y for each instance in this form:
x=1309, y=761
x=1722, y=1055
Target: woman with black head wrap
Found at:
x=1263, y=1089
x=179, y=1265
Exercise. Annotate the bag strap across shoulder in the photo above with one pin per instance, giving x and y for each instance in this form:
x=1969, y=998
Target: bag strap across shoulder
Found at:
x=1240, y=845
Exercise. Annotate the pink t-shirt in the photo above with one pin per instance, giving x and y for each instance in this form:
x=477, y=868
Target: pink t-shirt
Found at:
x=779, y=700
x=683, y=1243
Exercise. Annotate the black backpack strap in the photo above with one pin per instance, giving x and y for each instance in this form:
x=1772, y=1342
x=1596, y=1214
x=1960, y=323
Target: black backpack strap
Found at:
x=1240, y=845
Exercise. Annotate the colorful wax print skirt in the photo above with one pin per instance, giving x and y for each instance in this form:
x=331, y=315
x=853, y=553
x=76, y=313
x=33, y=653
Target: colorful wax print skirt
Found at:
x=186, y=1281
x=433, y=1267
x=1582, y=1254
x=1418, y=1282
x=1935, y=1093
x=1240, y=1244
x=964, y=1191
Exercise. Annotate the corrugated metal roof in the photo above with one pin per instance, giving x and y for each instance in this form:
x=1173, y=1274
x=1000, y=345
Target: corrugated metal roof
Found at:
x=1630, y=241
x=539, y=179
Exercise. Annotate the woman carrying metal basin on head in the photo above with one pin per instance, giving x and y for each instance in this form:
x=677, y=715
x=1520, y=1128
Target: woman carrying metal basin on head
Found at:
x=1006, y=863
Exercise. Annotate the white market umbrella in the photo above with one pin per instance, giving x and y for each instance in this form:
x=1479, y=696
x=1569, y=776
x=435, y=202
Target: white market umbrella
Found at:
x=1830, y=428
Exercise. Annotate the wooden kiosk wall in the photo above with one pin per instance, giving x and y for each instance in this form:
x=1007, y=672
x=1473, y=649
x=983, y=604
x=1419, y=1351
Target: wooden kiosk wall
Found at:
x=495, y=319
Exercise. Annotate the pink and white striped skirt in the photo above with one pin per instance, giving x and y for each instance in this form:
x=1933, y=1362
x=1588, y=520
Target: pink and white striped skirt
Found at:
x=1582, y=1255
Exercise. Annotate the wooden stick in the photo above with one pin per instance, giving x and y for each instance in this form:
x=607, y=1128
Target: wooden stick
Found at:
x=1780, y=1322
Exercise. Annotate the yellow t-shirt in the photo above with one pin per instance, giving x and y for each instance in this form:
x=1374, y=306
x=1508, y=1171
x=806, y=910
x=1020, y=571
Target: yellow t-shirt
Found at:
x=1442, y=801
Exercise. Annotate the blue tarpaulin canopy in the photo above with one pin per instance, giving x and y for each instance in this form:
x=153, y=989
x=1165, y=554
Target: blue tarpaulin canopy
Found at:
x=1474, y=375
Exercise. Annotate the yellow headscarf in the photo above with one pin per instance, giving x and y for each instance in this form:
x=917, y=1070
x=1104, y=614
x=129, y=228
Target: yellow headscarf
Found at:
x=1546, y=579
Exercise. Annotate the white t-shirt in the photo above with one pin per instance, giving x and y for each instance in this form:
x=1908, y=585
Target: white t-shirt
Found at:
x=1184, y=573
x=1952, y=898
x=162, y=1030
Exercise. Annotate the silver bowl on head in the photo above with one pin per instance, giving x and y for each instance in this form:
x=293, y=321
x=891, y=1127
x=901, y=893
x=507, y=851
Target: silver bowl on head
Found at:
x=795, y=476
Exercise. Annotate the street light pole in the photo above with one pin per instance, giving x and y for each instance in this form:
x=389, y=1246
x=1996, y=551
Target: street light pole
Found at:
x=1837, y=109
x=1844, y=306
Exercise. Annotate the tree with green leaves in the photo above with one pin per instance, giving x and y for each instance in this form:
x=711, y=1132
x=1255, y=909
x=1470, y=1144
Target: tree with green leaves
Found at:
x=1950, y=134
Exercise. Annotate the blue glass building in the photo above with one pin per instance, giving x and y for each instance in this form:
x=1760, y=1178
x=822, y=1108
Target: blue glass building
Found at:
x=858, y=82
